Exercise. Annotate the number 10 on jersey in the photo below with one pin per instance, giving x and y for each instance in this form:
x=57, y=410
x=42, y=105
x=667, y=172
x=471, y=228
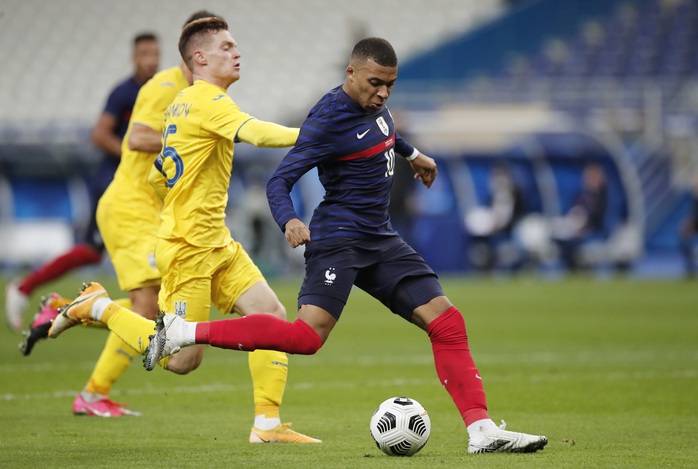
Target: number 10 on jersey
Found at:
x=390, y=157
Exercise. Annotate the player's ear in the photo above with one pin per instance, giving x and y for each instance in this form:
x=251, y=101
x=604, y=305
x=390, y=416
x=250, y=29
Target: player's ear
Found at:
x=350, y=71
x=199, y=58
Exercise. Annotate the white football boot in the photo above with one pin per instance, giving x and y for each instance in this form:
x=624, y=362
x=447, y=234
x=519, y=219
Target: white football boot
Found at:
x=167, y=340
x=498, y=440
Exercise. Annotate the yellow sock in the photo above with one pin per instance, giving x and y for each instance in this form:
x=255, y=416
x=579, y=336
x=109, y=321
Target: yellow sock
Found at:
x=131, y=327
x=269, y=370
x=125, y=302
x=114, y=360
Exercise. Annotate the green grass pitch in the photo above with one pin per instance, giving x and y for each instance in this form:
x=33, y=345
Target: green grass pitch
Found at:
x=608, y=370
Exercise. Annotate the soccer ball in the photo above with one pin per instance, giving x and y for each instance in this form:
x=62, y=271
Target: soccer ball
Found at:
x=400, y=426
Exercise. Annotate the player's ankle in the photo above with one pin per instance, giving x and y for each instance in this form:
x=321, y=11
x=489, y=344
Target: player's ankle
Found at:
x=98, y=308
x=263, y=423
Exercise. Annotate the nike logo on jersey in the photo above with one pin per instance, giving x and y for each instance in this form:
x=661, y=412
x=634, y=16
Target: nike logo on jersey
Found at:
x=360, y=136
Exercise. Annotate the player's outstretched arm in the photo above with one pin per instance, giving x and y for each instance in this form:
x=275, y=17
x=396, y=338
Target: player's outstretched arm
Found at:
x=143, y=138
x=267, y=134
x=424, y=169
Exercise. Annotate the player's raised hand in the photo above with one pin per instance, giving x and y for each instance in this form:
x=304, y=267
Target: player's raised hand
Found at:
x=424, y=169
x=297, y=233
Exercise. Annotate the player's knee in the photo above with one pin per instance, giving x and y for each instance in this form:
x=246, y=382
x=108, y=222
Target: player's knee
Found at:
x=304, y=339
x=305, y=348
x=279, y=310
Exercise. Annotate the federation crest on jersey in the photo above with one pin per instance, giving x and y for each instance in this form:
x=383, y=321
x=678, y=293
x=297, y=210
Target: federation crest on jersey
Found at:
x=383, y=126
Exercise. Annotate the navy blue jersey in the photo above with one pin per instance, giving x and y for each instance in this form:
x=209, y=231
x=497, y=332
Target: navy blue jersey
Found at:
x=119, y=105
x=354, y=152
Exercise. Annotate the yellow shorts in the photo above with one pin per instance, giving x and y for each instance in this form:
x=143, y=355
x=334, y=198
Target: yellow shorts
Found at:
x=130, y=232
x=194, y=277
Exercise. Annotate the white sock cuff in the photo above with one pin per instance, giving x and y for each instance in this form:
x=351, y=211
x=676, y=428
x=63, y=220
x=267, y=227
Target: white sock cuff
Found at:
x=264, y=423
x=190, y=333
x=99, y=306
x=481, y=425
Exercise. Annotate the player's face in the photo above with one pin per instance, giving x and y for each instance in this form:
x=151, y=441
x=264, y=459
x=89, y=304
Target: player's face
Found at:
x=370, y=84
x=146, y=57
x=223, y=58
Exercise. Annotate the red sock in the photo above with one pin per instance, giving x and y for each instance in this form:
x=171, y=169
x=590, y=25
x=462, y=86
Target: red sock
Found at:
x=455, y=365
x=79, y=256
x=259, y=331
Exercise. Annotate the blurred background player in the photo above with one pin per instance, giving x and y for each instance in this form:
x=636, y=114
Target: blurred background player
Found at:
x=107, y=135
x=491, y=227
x=586, y=219
x=193, y=244
x=687, y=233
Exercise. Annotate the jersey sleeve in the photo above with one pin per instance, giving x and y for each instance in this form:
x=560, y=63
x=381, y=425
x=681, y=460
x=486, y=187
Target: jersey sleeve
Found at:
x=402, y=147
x=226, y=118
x=312, y=148
x=266, y=134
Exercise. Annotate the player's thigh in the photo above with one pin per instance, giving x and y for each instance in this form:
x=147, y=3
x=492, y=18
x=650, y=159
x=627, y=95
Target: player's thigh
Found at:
x=130, y=238
x=186, y=279
x=402, y=280
x=238, y=285
x=331, y=266
x=259, y=298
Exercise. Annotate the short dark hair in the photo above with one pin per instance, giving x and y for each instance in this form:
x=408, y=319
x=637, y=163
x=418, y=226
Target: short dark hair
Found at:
x=195, y=31
x=377, y=49
x=198, y=15
x=142, y=37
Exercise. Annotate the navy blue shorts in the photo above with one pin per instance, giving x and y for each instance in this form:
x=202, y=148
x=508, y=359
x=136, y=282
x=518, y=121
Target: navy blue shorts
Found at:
x=381, y=267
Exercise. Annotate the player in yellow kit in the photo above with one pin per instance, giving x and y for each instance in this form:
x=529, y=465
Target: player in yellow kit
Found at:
x=128, y=216
x=200, y=262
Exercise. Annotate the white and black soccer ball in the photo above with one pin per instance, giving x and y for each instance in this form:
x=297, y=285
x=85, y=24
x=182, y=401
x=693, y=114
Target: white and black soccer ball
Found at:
x=400, y=426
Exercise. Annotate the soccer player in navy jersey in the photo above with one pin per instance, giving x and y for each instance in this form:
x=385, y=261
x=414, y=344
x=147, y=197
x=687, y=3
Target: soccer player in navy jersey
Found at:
x=107, y=135
x=350, y=137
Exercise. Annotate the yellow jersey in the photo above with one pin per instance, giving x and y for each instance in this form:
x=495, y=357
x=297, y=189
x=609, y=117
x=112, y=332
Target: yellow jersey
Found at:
x=131, y=178
x=201, y=127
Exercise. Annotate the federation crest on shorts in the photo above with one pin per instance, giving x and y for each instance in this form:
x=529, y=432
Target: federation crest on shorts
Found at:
x=383, y=126
x=330, y=276
x=180, y=308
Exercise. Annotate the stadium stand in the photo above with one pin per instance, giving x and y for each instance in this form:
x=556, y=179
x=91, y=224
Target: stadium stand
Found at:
x=568, y=81
x=543, y=87
x=59, y=70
